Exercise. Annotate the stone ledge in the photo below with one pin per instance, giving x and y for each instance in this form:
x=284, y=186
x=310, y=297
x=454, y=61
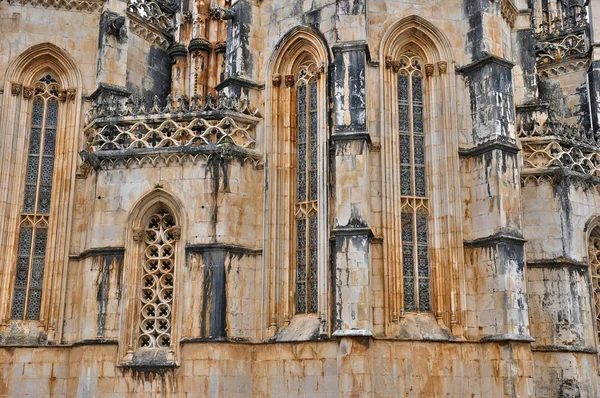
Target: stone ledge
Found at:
x=492, y=240
x=557, y=263
x=353, y=333
x=564, y=348
x=500, y=143
x=97, y=251
x=209, y=247
x=508, y=337
x=231, y=81
x=481, y=62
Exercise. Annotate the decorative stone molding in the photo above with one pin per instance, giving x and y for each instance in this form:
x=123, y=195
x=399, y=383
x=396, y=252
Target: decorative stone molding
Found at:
x=28, y=92
x=393, y=64
x=220, y=13
x=429, y=69
x=148, y=32
x=290, y=80
x=318, y=70
x=62, y=95
x=16, y=88
x=71, y=94
x=153, y=13
x=69, y=5
x=572, y=46
x=276, y=79
x=508, y=11
x=138, y=235
x=547, y=71
x=442, y=67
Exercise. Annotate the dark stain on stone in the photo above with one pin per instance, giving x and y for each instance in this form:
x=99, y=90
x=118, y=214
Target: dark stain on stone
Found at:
x=104, y=264
x=214, y=295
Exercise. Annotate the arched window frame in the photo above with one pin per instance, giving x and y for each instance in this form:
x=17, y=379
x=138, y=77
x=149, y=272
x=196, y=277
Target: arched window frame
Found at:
x=130, y=348
x=19, y=89
x=300, y=50
x=409, y=38
x=593, y=250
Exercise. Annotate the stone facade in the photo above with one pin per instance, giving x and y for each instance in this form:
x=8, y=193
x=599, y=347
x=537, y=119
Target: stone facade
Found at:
x=299, y=198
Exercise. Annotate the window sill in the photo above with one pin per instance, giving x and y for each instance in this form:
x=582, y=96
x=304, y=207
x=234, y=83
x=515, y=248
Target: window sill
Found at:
x=150, y=359
x=305, y=327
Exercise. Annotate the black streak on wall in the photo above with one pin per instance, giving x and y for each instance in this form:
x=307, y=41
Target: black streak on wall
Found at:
x=474, y=10
x=239, y=58
x=104, y=264
x=157, y=80
x=350, y=64
x=215, y=165
x=214, y=295
x=594, y=89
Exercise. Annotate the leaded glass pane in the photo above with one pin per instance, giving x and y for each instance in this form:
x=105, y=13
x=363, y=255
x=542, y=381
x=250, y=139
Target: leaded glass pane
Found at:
x=301, y=234
x=47, y=168
x=18, y=306
x=37, y=273
x=420, y=182
x=33, y=304
x=417, y=90
x=407, y=227
x=301, y=113
x=402, y=88
x=418, y=119
x=39, y=249
x=405, y=180
x=34, y=141
x=408, y=261
x=313, y=99
x=301, y=297
x=38, y=113
x=22, y=270
x=409, y=294
x=405, y=149
x=52, y=116
x=424, y=295
x=314, y=261
x=25, y=241
x=419, y=150
x=32, y=169
x=44, y=200
x=313, y=185
x=49, y=142
x=422, y=237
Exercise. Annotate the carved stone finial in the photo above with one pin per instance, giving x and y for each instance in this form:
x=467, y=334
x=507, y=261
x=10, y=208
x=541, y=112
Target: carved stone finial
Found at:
x=290, y=80
x=442, y=67
x=16, y=89
x=276, y=80
x=429, y=68
x=138, y=234
x=27, y=92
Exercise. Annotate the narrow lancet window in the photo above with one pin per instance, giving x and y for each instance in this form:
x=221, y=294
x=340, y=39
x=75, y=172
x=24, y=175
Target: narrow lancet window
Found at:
x=35, y=212
x=413, y=187
x=306, y=195
x=160, y=235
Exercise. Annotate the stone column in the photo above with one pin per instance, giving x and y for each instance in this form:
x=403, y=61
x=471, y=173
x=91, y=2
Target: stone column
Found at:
x=239, y=59
x=111, y=75
x=495, y=277
x=350, y=145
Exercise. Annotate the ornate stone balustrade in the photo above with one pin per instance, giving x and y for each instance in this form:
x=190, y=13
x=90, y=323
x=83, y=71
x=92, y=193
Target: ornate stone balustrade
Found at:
x=133, y=133
x=156, y=13
x=560, y=147
x=556, y=18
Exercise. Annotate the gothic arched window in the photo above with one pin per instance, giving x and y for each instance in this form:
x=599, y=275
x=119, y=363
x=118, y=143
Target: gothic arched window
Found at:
x=35, y=212
x=306, y=204
x=413, y=186
x=160, y=235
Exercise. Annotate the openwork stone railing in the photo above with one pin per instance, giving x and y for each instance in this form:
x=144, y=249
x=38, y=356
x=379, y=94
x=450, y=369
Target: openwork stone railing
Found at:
x=157, y=13
x=69, y=5
x=181, y=130
x=556, y=146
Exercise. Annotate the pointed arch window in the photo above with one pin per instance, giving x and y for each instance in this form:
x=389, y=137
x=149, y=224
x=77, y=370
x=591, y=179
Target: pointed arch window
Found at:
x=306, y=205
x=160, y=235
x=35, y=211
x=413, y=187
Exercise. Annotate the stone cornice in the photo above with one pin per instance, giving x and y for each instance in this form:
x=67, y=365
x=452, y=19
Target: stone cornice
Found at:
x=493, y=240
x=499, y=143
x=97, y=251
x=212, y=247
x=557, y=263
x=488, y=59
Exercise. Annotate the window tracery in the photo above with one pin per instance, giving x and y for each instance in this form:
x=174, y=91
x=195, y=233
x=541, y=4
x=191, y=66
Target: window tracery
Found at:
x=413, y=186
x=160, y=235
x=306, y=207
x=594, y=260
x=33, y=233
